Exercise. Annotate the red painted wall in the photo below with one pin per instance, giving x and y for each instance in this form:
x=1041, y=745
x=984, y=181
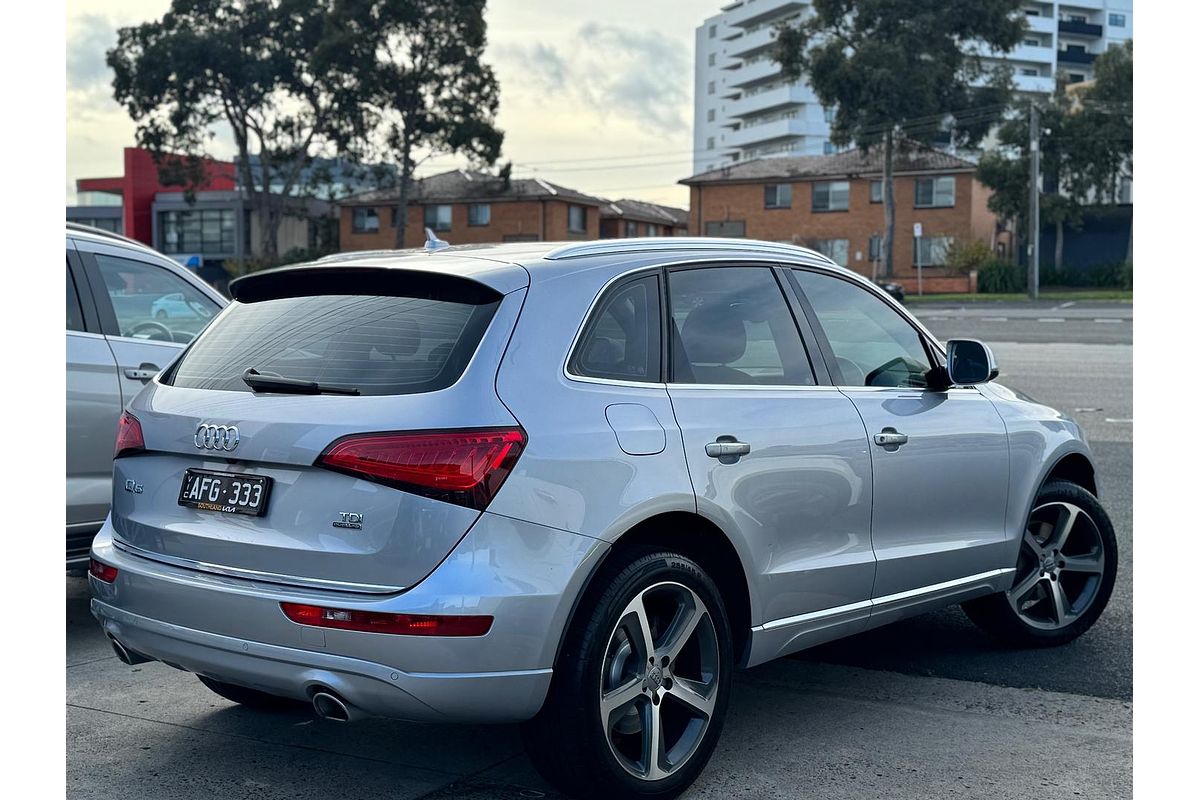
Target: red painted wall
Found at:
x=140, y=183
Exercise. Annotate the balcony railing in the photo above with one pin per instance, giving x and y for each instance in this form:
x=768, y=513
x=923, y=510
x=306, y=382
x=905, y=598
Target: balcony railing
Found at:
x=1079, y=28
x=1075, y=57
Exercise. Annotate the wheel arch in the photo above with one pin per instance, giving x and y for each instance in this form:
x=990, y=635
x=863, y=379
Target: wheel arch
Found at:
x=1074, y=467
x=701, y=540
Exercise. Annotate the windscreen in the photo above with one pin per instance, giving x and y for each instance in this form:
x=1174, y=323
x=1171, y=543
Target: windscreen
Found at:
x=379, y=345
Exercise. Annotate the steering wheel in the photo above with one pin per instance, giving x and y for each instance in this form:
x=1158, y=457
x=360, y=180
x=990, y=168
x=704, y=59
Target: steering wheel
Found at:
x=880, y=370
x=156, y=330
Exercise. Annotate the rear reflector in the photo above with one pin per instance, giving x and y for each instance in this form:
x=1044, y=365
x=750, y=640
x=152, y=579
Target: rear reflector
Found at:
x=129, y=435
x=378, y=622
x=466, y=467
x=101, y=572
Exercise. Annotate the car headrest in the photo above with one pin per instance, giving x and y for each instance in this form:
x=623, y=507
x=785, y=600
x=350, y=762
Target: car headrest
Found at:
x=714, y=335
x=405, y=338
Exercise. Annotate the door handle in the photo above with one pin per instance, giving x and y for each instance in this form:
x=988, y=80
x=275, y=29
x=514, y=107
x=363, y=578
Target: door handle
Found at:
x=143, y=373
x=890, y=439
x=726, y=449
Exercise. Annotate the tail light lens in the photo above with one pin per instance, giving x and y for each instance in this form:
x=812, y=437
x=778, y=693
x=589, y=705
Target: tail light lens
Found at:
x=101, y=571
x=129, y=435
x=379, y=622
x=464, y=467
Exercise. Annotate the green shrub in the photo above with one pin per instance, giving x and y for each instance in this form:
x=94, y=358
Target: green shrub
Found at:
x=1000, y=277
x=964, y=255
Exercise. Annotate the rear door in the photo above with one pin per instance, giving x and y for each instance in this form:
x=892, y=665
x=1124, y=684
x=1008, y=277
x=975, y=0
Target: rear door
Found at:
x=941, y=467
x=149, y=312
x=774, y=456
x=93, y=404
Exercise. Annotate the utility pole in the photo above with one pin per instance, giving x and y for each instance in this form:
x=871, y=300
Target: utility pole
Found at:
x=1035, y=222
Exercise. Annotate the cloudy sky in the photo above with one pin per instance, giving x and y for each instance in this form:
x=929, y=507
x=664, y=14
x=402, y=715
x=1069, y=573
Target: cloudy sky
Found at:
x=596, y=96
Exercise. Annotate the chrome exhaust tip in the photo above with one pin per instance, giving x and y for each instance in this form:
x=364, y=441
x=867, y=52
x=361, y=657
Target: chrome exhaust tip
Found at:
x=329, y=706
x=126, y=655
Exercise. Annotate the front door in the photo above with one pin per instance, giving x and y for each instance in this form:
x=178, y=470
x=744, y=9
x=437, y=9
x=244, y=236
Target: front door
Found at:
x=775, y=459
x=939, y=458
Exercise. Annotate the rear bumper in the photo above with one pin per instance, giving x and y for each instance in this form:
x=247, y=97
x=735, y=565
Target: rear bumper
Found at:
x=526, y=576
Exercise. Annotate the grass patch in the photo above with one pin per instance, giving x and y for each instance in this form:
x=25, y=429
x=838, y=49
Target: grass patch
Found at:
x=1061, y=295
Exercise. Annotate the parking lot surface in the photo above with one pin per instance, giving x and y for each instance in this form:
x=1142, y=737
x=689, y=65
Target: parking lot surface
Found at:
x=928, y=707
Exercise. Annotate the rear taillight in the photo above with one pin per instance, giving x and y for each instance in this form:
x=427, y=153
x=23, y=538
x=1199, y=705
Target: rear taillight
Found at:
x=464, y=467
x=129, y=435
x=101, y=571
x=379, y=622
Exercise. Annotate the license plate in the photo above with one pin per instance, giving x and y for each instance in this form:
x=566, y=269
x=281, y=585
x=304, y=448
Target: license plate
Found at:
x=228, y=492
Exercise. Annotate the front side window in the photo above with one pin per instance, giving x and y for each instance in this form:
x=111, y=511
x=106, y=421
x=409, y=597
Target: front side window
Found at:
x=74, y=312
x=831, y=196
x=622, y=341
x=151, y=303
x=576, y=219
x=836, y=250
x=872, y=344
x=201, y=230
x=731, y=325
x=777, y=195
x=935, y=192
x=366, y=220
x=931, y=251
x=479, y=214
x=438, y=217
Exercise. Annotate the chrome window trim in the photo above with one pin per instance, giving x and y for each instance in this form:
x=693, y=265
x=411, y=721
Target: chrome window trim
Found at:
x=755, y=260
x=886, y=600
x=255, y=575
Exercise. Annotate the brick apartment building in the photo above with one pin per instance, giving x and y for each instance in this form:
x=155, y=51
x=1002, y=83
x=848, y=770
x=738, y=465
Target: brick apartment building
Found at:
x=626, y=218
x=466, y=207
x=834, y=204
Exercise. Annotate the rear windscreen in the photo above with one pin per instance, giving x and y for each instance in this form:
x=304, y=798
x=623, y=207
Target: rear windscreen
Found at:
x=378, y=345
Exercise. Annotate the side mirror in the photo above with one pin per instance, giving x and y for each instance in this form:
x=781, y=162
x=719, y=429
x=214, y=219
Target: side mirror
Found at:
x=969, y=362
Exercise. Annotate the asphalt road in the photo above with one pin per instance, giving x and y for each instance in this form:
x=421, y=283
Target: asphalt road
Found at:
x=928, y=707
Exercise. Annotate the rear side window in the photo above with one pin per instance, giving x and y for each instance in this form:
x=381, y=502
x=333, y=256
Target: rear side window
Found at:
x=381, y=345
x=622, y=340
x=74, y=312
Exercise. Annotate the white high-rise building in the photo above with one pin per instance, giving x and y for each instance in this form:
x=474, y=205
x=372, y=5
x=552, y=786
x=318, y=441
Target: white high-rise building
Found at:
x=745, y=109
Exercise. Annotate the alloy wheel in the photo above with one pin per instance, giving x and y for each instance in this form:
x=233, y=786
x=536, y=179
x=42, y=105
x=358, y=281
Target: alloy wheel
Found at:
x=1059, y=568
x=658, y=684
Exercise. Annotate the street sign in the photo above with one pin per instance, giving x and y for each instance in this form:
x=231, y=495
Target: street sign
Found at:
x=917, y=229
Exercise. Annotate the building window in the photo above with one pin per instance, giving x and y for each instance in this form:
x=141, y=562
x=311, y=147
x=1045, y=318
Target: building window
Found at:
x=935, y=192
x=198, y=231
x=576, y=219
x=712, y=31
x=712, y=59
x=1032, y=43
x=876, y=191
x=1075, y=77
x=651, y=229
x=729, y=228
x=831, y=196
x=837, y=250
x=630, y=229
x=711, y=143
x=395, y=216
x=873, y=248
x=1029, y=72
x=479, y=214
x=712, y=87
x=712, y=114
x=777, y=195
x=1033, y=12
x=931, y=250
x=1116, y=20
x=365, y=220
x=438, y=217
x=830, y=113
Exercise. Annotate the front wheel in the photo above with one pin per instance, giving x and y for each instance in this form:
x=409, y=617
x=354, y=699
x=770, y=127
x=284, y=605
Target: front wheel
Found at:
x=641, y=686
x=1066, y=568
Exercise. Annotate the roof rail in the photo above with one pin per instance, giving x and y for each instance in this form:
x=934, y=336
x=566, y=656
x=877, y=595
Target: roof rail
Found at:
x=666, y=243
x=81, y=228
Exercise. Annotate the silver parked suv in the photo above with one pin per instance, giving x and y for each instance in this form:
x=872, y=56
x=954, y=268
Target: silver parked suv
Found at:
x=575, y=486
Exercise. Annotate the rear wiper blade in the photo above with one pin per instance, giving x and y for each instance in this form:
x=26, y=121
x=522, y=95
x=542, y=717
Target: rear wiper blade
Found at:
x=261, y=382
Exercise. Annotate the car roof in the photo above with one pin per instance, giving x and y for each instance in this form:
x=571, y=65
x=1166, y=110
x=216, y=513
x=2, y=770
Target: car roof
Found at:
x=515, y=265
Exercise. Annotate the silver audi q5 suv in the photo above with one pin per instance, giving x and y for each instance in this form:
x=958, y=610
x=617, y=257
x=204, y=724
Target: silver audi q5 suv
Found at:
x=575, y=486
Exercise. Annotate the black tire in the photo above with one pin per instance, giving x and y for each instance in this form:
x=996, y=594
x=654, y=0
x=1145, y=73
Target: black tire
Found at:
x=251, y=698
x=569, y=741
x=996, y=614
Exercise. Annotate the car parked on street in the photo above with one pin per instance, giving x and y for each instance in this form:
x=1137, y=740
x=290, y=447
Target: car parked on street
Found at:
x=119, y=333
x=575, y=486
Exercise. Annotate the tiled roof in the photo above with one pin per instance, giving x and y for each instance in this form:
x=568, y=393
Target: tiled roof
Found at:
x=466, y=185
x=645, y=212
x=910, y=157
